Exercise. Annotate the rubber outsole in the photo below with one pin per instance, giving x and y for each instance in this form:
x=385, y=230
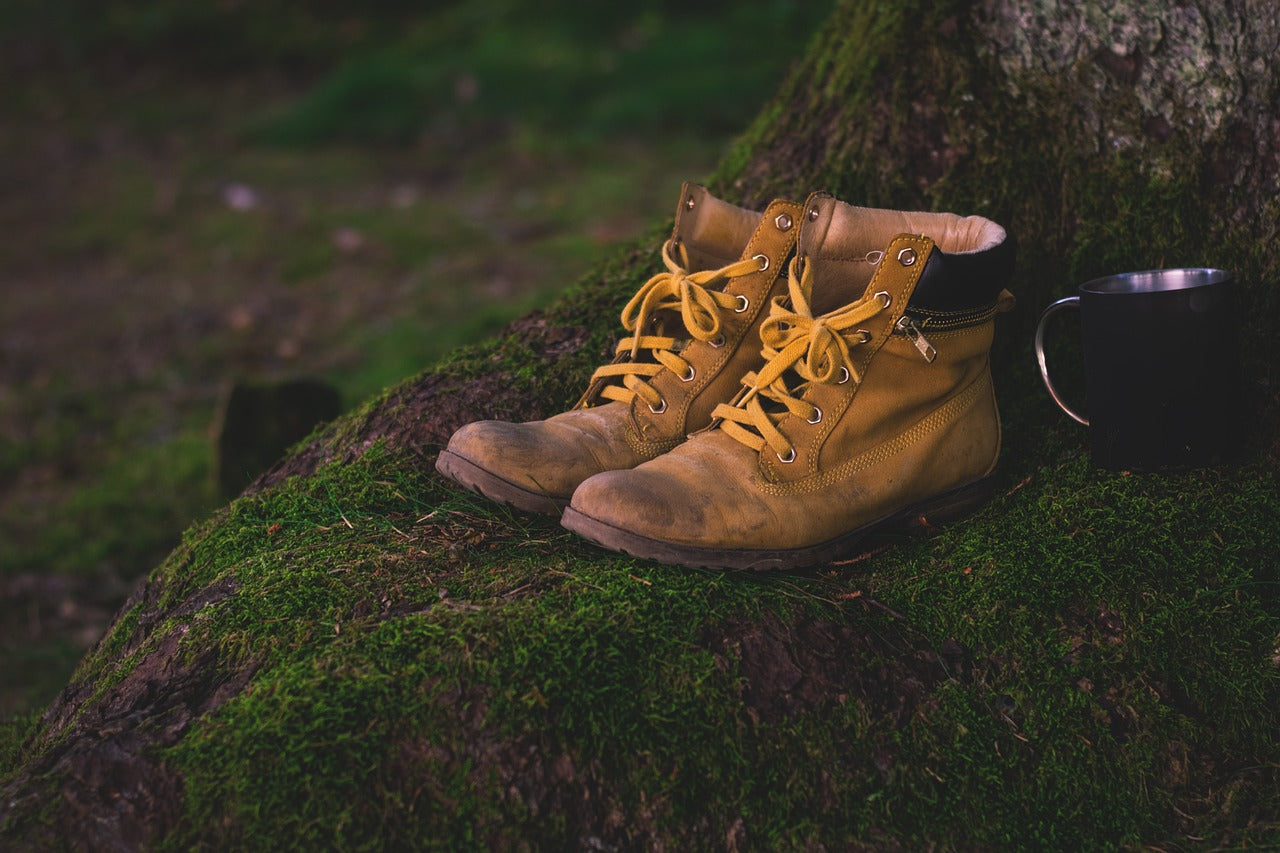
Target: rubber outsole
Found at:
x=936, y=510
x=471, y=476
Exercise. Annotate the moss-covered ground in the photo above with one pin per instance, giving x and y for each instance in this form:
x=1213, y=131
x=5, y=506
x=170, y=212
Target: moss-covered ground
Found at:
x=1089, y=661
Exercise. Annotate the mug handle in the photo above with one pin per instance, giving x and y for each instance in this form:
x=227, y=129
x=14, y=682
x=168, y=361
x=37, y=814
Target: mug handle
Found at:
x=1069, y=302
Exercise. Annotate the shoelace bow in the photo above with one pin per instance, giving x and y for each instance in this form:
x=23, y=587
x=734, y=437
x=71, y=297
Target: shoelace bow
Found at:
x=813, y=349
x=700, y=309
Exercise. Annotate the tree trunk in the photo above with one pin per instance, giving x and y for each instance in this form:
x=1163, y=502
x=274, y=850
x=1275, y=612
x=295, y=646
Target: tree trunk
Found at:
x=353, y=653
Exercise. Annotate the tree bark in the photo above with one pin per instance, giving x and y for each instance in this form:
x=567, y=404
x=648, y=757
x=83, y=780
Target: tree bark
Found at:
x=1106, y=136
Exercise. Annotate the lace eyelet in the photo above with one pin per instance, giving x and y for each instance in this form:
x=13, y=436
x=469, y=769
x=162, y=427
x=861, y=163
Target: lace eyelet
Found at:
x=764, y=261
x=717, y=341
x=884, y=298
x=817, y=416
x=662, y=407
x=743, y=304
x=864, y=337
x=844, y=375
x=790, y=457
x=688, y=377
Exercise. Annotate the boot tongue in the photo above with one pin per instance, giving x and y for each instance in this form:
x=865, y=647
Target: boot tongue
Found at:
x=844, y=244
x=714, y=233
x=708, y=234
x=799, y=301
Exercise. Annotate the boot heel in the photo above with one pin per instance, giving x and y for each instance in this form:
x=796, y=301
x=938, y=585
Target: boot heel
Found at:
x=955, y=504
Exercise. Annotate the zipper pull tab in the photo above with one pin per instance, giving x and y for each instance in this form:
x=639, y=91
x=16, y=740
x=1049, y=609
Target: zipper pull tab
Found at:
x=907, y=327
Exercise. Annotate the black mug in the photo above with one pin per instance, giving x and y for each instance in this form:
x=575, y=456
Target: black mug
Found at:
x=1161, y=367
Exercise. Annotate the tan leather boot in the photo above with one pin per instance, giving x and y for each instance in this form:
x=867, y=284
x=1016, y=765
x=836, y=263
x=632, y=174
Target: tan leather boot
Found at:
x=694, y=332
x=874, y=404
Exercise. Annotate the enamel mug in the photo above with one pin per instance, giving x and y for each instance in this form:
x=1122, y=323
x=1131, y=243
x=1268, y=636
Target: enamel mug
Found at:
x=1161, y=367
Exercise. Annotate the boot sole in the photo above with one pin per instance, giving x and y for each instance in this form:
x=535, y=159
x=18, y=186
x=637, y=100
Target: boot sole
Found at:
x=939, y=509
x=471, y=476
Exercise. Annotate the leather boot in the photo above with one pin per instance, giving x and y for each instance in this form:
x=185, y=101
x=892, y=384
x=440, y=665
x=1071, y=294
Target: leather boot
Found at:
x=693, y=332
x=874, y=404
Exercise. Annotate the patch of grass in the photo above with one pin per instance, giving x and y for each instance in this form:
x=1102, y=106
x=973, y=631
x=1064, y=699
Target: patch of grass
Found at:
x=130, y=515
x=401, y=346
x=204, y=37
x=14, y=731
x=560, y=69
x=36, y=670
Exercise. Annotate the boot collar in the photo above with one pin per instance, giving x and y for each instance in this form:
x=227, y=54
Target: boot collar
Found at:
x=971, y=262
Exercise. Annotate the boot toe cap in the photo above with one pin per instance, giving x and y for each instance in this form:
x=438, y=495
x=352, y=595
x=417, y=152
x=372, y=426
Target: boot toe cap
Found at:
x=638, y=501
x=511, y=463
x=548, y=458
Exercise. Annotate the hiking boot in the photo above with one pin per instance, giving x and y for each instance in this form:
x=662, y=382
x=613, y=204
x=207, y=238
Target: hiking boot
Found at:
x=693, y=333
x=874, y=405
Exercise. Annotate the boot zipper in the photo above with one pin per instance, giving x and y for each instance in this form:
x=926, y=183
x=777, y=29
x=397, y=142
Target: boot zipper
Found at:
x=953, y=319
x=907, y=326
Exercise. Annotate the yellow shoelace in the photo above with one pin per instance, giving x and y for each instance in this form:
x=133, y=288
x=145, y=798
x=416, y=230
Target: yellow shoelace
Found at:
x=700, y=309
x=800, y=346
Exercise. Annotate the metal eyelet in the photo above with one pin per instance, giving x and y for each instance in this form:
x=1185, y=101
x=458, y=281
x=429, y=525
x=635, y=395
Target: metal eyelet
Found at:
x=688, y=377
x=884, y=298
x=907, y=256
x=661, y=408
x=743, y=304
x=783, y=222
x=844, y=375
x=690, y=203
x=864, y=337
x=817, y=416
x=717, y=341
x=790, y=457
x=764, y=261
x=814, y=213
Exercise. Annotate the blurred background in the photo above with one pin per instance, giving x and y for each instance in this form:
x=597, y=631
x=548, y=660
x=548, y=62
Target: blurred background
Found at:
x=200, y=193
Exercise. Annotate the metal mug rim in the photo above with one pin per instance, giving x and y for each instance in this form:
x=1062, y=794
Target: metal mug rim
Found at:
x=1155, y=281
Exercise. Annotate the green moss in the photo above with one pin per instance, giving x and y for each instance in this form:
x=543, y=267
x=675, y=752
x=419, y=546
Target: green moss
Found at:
x=402, y=670
x=1114, y=631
